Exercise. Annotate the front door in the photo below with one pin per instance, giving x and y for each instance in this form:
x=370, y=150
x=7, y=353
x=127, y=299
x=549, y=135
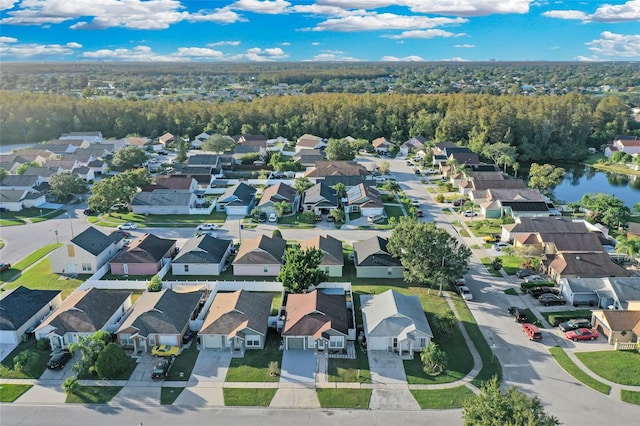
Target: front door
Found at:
x=320, y=344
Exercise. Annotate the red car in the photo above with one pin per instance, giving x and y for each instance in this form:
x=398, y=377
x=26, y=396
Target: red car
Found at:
x=582, y=334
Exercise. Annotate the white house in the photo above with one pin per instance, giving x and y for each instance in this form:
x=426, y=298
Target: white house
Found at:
x=86, y=252
x=22, y=309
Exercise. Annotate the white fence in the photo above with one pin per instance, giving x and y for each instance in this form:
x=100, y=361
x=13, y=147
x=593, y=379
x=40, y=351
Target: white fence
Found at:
x=626, y=346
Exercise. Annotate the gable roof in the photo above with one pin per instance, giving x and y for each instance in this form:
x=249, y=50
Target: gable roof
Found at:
x=19, y=180
x=395, y=314
x=518, y=194
x=277, y=193
x=373, y=252
x=546, y=225
x=86, y=311
x=145, y=249
x=203, y=160
x=203, y=249
x=12, y=196
x=337, y=168
x=584, y=242
x=586, y=265
x=525, y=206
x=322, y=195
x=620, y=320
x=171, y=182
x=366, y=196
x=231, y=313
x=94, y=241
x=162, y=312
x=381, y=142
x=331, y=249
x=315, y=313
x=240, y=194
x=497, y=184
x=262, y=250
x=19, y=305
x=308, y=156
x=163, y=197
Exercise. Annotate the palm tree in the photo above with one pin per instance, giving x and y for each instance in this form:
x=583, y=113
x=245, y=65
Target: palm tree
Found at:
x=282, y=207
x=446, y=320
x=434, y=359
x=392, y=187
x=628, y=245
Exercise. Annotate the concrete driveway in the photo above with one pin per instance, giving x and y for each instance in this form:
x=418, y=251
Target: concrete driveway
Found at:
x=6, y=349
x=204, y=388
x=298, y=366
x=387, y=369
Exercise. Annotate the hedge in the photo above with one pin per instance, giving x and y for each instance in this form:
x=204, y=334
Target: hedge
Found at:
x=556, y=319
x=528, y=286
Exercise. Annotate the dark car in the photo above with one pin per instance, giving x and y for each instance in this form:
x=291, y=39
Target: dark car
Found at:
x=574, y=324
x=161, y=368
x=523, y=273
x=417, y=172
x=519, y=314
x=5, y=267
x=552, y=299
x=539, y=291
x=188, y=336
x=58, y=360
x=89, y=212
x=262, y=217
x=331, y=219
x=458, y=202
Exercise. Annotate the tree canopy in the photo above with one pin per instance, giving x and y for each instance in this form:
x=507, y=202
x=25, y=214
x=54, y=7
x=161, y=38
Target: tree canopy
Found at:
x=119, y=188
x=339, y=149
x=544, y=176
x=63, y=185
x=300, y=270
x=128, y=158
x=606, y=209
x=90, y=348
x=218, y=143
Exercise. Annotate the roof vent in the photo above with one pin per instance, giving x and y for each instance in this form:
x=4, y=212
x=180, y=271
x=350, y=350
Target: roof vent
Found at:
x=577, y=257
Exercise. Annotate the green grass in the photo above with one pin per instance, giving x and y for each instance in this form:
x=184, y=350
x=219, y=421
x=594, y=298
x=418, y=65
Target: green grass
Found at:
x=511, y=264
x=442, y=399
x=17, y=268
x=93, y=394
x=350, y=370
x=173, y=220
x=40, y=277
x=184, y=364
x=576, y=313
x=254, y=366
x=243, y=397
x=464, y=233
x=393, y=211
x=344, y=398
x=570, y=367
x=30, y=213
x=35, y=367
x=511, y=292
x=168, y=395
x=487, y=263
x=10, y=392
x=125, y=375
x=485, y=227
x=632, y=397
x=622, y=367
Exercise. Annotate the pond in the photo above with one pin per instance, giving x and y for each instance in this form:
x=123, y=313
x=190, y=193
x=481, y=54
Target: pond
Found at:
x=581, y=180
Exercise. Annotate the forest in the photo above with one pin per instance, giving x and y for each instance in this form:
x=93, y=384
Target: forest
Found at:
x=543, y=128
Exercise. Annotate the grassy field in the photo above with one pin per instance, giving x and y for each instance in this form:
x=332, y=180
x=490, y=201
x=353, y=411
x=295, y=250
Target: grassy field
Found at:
x=175, y=220
x=93, y=394
x=243, y=397
x=570, y=367
x=254, y=366
x=17, y=268
x=486, y=261
x=32, y=214
x=344, y=398
x=40, y=277
x=632, y=397
x=442, y=399
x=10, y=392
x=484, y=227
x=169, y=395
x=622, y=367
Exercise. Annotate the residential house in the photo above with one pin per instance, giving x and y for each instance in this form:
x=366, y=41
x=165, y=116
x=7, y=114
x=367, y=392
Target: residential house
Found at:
x=316, y=321
x=372, y=259
x=99, y=167
x=553, y=243
x=91, y=137
x=82, y=314
x=248, y=148
x=627, y=144
x=202, y=255
x=22, y=309
x=633, y=230
x=464, y=159
x=237, y=321
x=199, y=140
x=605, y=292
x=144, y=143
x=159, y=318
x=260, y=256
x=86, y=252
x=278, y=193
x=581, y=265
x=320, y=198
x=395, y=322
x=210, y=161
x=364, y=199
x=308, y=157
x=20, y=182
x=490, y=201
x=164, y=201
x=547, y=225
x=442, y=152
x=382, y=145
x=167, y=139
x=16, y=200
x=237, y=200
x=308, y=141
x=145, y=255
x=332, y=255
x=414, y=144
x=618, y=326
x=85, y=173
x=71, y=143
x=43, y=172
x=336, y=168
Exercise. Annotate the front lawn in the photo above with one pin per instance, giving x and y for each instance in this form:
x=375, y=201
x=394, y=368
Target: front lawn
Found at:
x=393, y=210
x=183, y=364
x=9, y=392
x=622, y=367
x=254, y=366
x=484, y=227
x=125, y=375
x=487, y=262
x=442, y=399
x=18, y=267
x=40, y=277
x=168, y=395
x=36, y=364
x=511, y=264
x=344, y=398
x=570, y=367
x=93, y=394
x=248, y=397
x=556, y=317
x=632, y=397
x=350, y=370
x=172, y=220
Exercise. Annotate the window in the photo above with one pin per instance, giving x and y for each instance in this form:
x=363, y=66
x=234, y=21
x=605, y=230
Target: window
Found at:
x=126, y=340
x=423, y=342
x=186, y=268
x=335, y=342
x=253, y=341
x=395, y=343
x=86, y=267
x=266, y=269
x=389, y=271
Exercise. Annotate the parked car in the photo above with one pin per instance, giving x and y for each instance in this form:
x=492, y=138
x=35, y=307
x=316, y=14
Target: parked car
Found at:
x=161, y=369
x=419, y=213
x=582, y=334
x=519, y=314
x=552, y=299
x=415, y=203
x=469, y=213
x=417, y=172
x=58, y=360
x=531, y=331
x=127, y=226
x=207, y=227
x=499, y=246
x=375, y=218
x=524, y=273
x=409, y=163
x=460, y=282
x=534, y=278
x=458, y=202
x=188, y=336
x=5, y=267
x=273, y=217
x=574, y=324
x=539, y=291
x=262, y=217
x=124, y=234
x=89, y=212
x=494, y=238
x=330, y=218
x=165, y=350
x=465, y=292
x=119, y=207
x=379, y=178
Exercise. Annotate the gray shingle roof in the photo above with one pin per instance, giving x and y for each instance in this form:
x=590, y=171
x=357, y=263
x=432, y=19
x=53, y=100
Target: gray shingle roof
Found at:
x=321, y=193
x=21, y=304
x=240, y=193
x=94, y=241
x=202, y=249
x=162, y=197
x=145, y=249
x=262, y=250
x=19, y=180
x=331, y=249
x=373, y=252
x=394, y=314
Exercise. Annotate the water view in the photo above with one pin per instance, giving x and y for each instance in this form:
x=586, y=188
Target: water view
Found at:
x=581, y=180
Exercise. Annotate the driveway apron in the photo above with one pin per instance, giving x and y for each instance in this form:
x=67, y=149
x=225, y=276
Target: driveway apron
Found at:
x=297, y=381
x=204, y=387
x=387, y=370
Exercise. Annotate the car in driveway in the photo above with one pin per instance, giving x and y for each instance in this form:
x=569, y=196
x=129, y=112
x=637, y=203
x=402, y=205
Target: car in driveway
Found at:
x=582, y=334
x=519, y=314
x=552, y=299
x=534, y=278
x=58, y=360
x=500, y=246
x=262, y=217
x=419, y=213
x=417, y=172
x=165, y=350
x=532, y=332
x=494, y=238
x=574, y=324
x=5, y=267
x=469, y=213
x=458, y=202
x=207, y=227
x=161, y=369
x=375, y=218
x=127, y=226
x=273, y=217
x=524, y=273
x=539, y=291
x=465, y=292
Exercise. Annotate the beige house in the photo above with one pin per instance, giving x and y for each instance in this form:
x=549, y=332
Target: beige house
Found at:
x=260, y=256
x=332, y=257
x=618, y=326
x=86, y=252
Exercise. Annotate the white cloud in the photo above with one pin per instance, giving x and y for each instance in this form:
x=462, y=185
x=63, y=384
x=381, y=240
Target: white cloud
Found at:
x=8, y=39
x=629, y=11
x=138, y=53
x=257, y=54
x=318, y=9
x=268, y=7
x=424, y=34
x=285, y=43
x=412, y=58
x=383, y=21
x=7, y=4
x=333, y=57
x=464, y=46
x=456, y=59
x=616, y=45
x=593, y=58
x=565, y=14
x=315, y=43
x=441, y=7
x=198, y=52
x=9, y=48
x=73, y=45
x=224, y=43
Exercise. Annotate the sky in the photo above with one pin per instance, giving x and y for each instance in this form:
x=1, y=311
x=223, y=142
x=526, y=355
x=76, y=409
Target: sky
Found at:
x=319, y=30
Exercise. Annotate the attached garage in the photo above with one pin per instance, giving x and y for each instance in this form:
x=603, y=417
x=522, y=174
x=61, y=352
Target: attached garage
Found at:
x=168, y=340
x=377, y=343
x=295, y=343
x=211, y=341
x=8, y=337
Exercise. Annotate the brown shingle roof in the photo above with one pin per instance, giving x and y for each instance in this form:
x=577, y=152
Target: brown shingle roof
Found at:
x=262, y=250
x=314, y=313
x=621, y=320
x=277, y=193
x=337, y=168
x=331, y=249
x=145, y=249
x=231, y=313
x=586, y=265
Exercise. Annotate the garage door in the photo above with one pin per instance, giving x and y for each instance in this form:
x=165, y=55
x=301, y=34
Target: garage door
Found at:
x=168, y=340
x=211, y=341
x=377, y=343
x=295, y=343
x=8, y=337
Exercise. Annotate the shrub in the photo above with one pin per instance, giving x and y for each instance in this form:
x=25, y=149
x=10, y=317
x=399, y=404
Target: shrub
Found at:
x=528, y=286
x=308, y=217
x=155, y=284
x=21, y=361
x=439, y=198
x=43, y=344
x=70, y=385
x=111, y=362
x=276, y=233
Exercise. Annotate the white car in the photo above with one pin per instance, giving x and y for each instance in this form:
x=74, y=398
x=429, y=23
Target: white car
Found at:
x=465, y=293
x=415, y=203
x=500, y=246
x=127, y=226
x=469, y=213
x=533, y=278
x=207, y=227
x=273, y=217
x=209, y=233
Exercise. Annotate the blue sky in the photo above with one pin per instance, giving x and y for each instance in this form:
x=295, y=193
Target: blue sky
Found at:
x=320, y=30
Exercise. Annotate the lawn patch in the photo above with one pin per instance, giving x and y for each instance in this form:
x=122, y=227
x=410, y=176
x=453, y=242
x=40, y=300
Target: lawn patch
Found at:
x=622, y=367
x=442, y=399
x=632, y=397
x=248, y=397
x=40, y=277
x=511, y=292
x=570, y=367
x=9, y=392
x=556, y=317
x=125, y=375
x=183, y=364
x=169, y=395
x=93, y=394
x=254, y=366
x=488, y=263
x=350, y=370
x=344, y=398
x=35, y=366
x=18, y=267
